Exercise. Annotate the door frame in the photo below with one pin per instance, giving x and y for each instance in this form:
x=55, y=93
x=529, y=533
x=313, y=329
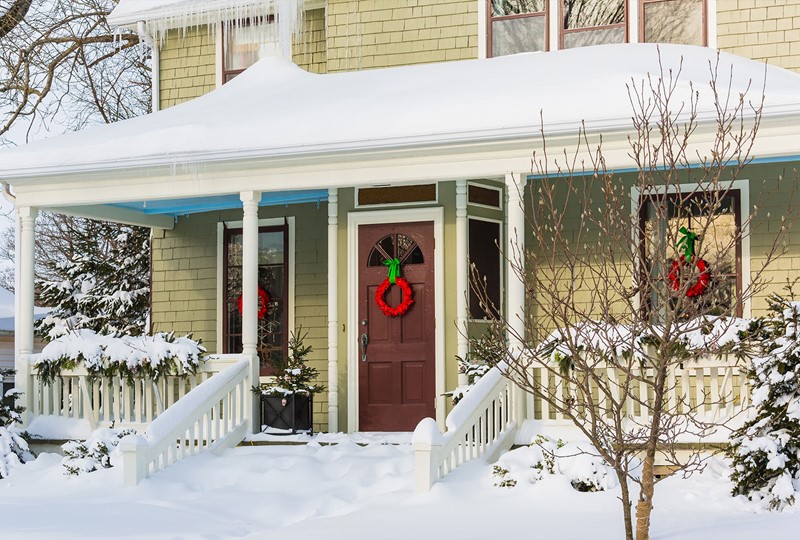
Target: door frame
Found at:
x=406, y=215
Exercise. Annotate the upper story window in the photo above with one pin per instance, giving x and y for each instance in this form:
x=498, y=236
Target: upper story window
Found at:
x=246, y=43
x=523, y=25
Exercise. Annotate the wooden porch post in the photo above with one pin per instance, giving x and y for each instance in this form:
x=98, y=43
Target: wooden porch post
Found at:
x=333, y=310
x=250, y=200
x=26, y=220
x=515, y=268
x=462, y=269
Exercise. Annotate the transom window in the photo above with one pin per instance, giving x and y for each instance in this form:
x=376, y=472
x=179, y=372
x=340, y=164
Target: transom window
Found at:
x=717, y=220
x=397, y=246
x=273, y=275
x=516, y=26
x=246, y=43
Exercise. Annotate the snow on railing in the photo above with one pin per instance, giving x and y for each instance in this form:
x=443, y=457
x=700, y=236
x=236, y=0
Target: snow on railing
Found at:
x=483, y=423
x=104, y=401
x=213, y=416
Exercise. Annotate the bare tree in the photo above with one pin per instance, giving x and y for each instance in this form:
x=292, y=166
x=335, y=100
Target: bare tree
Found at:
x=62, y=67
x=628, y=277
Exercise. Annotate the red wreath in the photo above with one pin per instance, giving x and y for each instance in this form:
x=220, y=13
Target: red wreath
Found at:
x=402, y=308
x=263, y=303
x=699, y=286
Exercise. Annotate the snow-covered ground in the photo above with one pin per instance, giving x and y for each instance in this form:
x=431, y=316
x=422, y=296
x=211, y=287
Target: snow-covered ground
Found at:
x=347, y=491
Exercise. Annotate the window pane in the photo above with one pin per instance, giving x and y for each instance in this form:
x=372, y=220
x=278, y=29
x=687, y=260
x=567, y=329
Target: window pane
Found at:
x=515, y=7
x=591, y=13
x=484, y=255
x=511, y=36
x=245, y=45
x=674, y=21
x=235, y=250
x=594, y=37
x=270, y=247
x=272, y=279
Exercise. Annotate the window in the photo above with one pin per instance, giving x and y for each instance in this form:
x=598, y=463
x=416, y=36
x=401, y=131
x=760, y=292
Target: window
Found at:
x=273, y=275
x=485, y=263
x=673, y=21
x=245, y=44
x=716, y=218
x=522, y=25
x=517, y=26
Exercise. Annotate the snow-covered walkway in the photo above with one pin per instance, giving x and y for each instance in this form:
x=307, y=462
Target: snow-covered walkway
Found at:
x=350, y=492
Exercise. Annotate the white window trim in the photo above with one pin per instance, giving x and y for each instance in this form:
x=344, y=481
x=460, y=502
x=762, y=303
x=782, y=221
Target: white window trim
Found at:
x=743, y=187
x=354, y=219
x=498, y=189
x=268, y=222
x=500, y=260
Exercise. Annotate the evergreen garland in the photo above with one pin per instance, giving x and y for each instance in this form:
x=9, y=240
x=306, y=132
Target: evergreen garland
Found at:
x=766, y=450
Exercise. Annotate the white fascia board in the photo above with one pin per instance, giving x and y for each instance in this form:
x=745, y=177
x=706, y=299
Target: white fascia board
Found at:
x=117, y=215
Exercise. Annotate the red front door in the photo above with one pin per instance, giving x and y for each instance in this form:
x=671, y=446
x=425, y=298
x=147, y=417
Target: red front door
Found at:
x=396, y=367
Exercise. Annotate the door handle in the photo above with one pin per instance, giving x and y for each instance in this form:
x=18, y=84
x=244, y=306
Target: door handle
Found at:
x=364, y=343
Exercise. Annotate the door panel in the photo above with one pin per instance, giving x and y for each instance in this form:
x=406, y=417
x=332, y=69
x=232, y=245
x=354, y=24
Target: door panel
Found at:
x=397, y=380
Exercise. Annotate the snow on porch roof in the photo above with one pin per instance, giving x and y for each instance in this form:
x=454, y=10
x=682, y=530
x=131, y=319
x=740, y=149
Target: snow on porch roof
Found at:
x=275, y=109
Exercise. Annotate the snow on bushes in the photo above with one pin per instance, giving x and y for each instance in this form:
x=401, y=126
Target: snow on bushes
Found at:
x=128, y=356
x=576, y=462
x=473, y=371
x=99, y=451
x=14, y=449
x=765, y=451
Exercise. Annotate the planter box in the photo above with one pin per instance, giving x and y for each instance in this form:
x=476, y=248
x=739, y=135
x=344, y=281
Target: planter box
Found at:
x=287, y=412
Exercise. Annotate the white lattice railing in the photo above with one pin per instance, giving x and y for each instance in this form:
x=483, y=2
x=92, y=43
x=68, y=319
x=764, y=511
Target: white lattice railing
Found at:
x=211, y=417
x=482, y=424
x=106, y=401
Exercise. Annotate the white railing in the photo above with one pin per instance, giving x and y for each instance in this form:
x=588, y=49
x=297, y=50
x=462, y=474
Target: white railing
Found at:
x=482, y=424
x=105, y=401
x=712, y=389
x=213, y=416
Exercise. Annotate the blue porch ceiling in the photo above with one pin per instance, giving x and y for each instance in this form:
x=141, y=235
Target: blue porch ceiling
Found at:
x=181, y=207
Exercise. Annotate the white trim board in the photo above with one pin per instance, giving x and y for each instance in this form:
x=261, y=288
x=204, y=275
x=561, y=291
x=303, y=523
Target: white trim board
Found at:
x=743, y=186
x=406, y=215
x=267, y=222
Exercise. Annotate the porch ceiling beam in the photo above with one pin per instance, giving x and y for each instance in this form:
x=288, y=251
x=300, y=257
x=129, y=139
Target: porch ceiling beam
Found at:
x=117, y=215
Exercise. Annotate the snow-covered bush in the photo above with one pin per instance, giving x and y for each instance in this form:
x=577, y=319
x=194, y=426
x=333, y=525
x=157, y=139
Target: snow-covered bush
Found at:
x=578, y=463
x=128, y=356
x=97, y=452
x=766, y=450
x=14, y=449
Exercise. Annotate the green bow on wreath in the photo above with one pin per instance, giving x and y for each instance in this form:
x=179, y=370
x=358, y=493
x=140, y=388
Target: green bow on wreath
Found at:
x=394, y=269
x=686, y=243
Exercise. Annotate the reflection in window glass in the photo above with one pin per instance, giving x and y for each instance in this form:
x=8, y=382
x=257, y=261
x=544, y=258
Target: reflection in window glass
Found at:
x=517, y=7
x=523, y=34
x=593, y=13
x=247, y=44
x=600, y=36
x=674, y=21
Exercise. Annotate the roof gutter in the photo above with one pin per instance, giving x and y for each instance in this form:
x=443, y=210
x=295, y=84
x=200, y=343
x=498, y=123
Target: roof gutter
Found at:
x=7, y=195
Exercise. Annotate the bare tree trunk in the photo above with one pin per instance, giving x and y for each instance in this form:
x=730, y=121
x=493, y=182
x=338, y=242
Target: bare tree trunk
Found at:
x=626, y=502
x=644, y=508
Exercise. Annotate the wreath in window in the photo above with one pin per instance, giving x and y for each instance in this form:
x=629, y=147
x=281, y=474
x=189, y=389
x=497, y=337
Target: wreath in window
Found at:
x=394, y=278
x=263, y=303
x=700, y=285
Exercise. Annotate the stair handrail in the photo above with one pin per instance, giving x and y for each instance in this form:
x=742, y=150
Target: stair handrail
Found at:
x=211, y=417
x=482, y=423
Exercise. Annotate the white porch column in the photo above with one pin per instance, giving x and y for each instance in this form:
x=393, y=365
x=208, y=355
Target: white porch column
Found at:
x=462, y=269
x=24, y=252
x=515, y=245
x=333, y=310
x=250, y=200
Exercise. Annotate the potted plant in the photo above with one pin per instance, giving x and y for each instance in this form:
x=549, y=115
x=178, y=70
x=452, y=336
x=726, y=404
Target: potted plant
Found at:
x=287, y=400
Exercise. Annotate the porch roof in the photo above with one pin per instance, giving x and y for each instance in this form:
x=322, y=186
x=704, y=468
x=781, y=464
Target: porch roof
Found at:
x=277, y=110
